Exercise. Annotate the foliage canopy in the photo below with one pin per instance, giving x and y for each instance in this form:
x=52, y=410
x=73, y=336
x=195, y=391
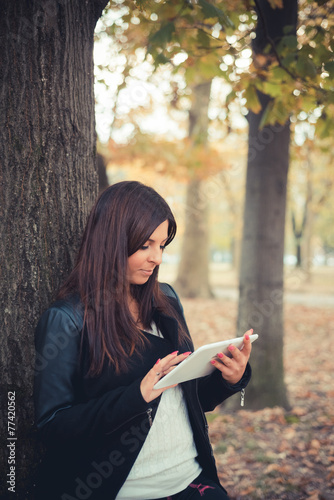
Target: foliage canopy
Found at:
x=206, y=39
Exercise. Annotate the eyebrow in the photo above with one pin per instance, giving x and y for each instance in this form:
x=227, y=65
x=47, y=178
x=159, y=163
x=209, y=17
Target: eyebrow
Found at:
x=153, y=241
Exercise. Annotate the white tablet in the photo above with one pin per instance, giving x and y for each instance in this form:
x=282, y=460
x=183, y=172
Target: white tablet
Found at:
x=197, y=364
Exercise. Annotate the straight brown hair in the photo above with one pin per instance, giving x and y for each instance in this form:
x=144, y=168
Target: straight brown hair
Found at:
x=120, y=223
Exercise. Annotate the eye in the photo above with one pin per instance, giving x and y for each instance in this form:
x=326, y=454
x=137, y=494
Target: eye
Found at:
x=144, y=247
x=162, y=247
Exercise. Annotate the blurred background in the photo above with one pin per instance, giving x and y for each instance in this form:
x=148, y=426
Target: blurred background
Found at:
x=142, y=121
x=202, y=108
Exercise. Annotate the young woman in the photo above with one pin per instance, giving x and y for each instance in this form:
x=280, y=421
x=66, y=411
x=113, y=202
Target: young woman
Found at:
x=113, y=332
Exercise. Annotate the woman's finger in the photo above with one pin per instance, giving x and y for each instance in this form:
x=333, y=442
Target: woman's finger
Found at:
x=162, y=366
x=173, y=359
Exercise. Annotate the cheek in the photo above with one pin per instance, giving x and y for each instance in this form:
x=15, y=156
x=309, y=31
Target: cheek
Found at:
x=134, y=261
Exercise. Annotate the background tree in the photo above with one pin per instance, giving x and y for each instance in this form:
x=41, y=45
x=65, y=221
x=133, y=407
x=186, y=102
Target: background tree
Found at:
x=261, y=272
x=48, y=182
x=311, y=185
x=193, y=271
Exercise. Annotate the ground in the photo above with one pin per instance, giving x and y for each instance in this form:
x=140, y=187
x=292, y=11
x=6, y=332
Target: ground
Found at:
x=273, y=453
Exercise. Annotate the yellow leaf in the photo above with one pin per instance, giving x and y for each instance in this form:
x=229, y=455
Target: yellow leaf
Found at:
x=253, y=102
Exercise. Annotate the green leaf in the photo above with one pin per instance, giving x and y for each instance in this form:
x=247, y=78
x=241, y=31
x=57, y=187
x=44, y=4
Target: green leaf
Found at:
x=280, y=112
x=209, y=68
x=287, y=44
x=212, y=12
x=279, y=74
x=290, y=41
x=265, y=118
x=288, y=29
x=161, y=59
x=203, y=39
x=308, y=103
x=163, y=36
x=306, y=68
x=324, y=127
x=289, y=60
x=329, y=67
x=272, y=89
x=322, y=55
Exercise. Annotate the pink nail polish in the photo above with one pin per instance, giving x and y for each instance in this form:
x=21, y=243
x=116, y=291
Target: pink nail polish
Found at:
x=186, y=353
x=247, y=337
x=213, y=362
x=157, y=361
x=231, y=348
x=220, y=355
x=173, y=353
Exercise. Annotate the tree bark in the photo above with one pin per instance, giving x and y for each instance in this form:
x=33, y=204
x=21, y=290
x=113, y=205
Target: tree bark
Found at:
x=261, y=270
x=48, y=183
x=193, y=272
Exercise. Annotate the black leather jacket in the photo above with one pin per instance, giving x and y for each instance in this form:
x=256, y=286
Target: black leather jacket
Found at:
x=94, y=428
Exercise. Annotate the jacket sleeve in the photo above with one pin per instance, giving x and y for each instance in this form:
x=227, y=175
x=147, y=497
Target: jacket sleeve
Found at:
x=213, y=389
x=60, y=410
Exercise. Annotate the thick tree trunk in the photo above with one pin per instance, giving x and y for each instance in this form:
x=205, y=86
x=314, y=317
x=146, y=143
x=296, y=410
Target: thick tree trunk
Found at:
x=48, y=182
x=261, y=270
x=193, y=272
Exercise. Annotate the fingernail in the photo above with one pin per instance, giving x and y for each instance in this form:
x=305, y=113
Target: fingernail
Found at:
x=186, y=353
x=213, y=362
x=251, y=330
x=220, y=355
x=175, y=352
x=157, y=361
x=247, y=337
x=231, y=348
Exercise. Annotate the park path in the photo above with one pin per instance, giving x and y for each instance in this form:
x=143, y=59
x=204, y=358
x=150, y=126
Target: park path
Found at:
x=302, y=298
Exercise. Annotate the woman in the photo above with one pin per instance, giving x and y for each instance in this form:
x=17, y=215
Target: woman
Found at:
x=113, y=332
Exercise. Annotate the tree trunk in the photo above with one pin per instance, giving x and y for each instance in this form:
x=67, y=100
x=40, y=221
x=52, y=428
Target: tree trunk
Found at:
x=193, y=272
x=298, y=233
x=261, y=270
x=309, y=221
x=48, y=182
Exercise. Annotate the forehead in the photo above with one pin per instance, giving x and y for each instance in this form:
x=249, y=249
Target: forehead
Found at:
x=160, y=233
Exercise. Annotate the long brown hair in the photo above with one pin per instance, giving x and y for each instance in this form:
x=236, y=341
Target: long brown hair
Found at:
x=120, y=223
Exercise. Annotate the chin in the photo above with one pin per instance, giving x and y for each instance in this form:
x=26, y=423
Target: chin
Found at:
x=141, y=281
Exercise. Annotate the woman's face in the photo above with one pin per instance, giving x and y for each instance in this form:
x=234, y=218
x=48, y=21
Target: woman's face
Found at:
x=141, y=264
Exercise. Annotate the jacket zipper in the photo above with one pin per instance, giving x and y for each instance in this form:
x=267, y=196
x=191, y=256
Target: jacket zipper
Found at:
x=149, y=415
x=242, y=397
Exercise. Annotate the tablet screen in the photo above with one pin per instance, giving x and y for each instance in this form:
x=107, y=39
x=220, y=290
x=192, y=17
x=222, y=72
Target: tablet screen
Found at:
x=197, y=364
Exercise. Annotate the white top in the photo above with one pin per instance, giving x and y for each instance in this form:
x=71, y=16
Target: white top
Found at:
x=167, y=461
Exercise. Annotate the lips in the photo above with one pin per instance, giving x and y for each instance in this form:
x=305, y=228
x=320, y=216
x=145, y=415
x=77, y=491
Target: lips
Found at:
x=147, y=271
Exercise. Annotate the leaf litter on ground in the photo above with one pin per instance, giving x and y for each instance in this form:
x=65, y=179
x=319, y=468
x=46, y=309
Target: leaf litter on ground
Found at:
x=276, y=453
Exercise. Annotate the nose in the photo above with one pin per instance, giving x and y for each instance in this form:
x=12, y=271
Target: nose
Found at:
x=156, y=256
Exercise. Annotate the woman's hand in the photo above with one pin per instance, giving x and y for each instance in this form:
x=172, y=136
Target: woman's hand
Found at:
x=161, y=368
x=232, y=369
